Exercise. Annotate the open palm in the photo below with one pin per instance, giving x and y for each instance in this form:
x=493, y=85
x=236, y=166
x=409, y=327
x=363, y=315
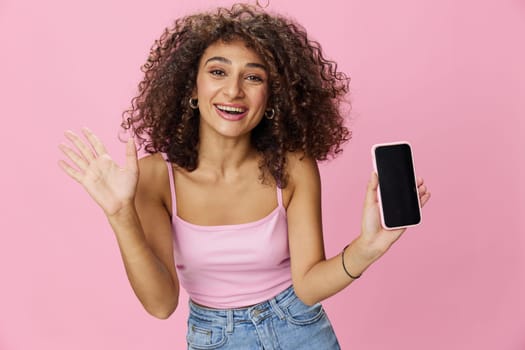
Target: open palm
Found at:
x=110, y=185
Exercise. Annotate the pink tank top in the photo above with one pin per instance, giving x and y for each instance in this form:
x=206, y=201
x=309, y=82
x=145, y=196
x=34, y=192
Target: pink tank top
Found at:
x=231, y=266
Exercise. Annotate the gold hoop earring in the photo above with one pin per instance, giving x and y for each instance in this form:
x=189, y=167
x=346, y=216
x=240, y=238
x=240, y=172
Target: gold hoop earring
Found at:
x=194, y=103
x=269, y=113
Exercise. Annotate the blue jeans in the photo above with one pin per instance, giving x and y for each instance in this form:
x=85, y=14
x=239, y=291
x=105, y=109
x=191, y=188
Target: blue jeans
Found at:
x=281, y=323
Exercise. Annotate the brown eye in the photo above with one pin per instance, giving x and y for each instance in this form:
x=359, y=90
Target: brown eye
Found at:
x=217, y=72
x=254, y=78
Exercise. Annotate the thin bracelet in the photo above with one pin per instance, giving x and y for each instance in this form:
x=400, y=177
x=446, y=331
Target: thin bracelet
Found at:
x=344, y=267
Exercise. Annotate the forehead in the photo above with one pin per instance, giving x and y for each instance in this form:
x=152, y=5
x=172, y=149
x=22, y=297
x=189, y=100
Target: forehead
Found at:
x=235, y=51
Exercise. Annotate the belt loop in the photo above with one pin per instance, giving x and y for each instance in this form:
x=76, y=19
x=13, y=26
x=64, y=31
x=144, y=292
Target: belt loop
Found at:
x=229, y=322
x=277, y=308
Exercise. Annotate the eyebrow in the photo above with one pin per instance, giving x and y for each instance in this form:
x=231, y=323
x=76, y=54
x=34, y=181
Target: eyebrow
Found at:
x=227, y=61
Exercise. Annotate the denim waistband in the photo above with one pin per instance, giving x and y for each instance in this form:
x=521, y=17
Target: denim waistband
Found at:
x=254, y=313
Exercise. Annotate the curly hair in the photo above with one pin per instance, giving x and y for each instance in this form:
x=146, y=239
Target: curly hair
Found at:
x=305, y=89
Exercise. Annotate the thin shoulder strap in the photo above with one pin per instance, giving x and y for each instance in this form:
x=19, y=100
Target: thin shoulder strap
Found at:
x=172, y=185
x=279, y=196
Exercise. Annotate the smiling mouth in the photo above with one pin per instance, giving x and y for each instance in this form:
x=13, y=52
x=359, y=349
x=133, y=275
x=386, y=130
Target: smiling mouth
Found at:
x=231, y=110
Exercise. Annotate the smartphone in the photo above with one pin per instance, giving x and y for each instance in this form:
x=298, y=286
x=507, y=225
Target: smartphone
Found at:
x=397, y=193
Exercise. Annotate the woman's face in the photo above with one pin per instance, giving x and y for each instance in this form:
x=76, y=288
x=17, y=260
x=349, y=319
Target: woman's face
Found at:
x=232, y=89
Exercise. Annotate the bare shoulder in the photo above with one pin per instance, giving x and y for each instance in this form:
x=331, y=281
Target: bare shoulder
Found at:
x=152, y=199
x=152, y=166
x=153, y=175
x=301, y=168
x=303, y=174
x=152, y=163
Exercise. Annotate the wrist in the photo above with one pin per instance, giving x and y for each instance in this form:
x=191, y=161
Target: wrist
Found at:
x=349, y=274
x=126, y=211
x=364, y=251
x=355, y=260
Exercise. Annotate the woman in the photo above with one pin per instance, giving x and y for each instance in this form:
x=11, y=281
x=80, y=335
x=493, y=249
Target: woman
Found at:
x=235, y=109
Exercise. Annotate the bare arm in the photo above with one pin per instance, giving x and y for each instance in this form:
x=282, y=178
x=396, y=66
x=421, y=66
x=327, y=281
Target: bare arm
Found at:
x=143, y=233
x=316, y=278
x=134, y=208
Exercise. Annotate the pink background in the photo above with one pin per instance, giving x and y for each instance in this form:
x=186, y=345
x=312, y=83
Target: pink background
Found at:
x=446, y=75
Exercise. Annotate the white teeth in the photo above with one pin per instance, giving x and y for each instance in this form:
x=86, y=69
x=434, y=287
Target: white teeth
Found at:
x=230, y=109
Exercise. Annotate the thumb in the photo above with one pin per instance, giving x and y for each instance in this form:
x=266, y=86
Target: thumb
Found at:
x=371, y=191
x=131, y=155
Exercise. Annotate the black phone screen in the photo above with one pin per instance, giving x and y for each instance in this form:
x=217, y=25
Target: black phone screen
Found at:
x=397, y=185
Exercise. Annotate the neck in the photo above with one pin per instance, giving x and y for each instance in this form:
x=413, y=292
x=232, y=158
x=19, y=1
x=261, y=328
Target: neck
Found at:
x=224, y=157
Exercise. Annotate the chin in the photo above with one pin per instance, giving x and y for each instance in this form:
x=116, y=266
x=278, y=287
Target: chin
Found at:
x=233, y=134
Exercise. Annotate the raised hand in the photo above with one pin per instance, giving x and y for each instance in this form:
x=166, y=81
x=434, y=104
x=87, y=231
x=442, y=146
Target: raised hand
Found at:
x=111, y=186
x=373, y=235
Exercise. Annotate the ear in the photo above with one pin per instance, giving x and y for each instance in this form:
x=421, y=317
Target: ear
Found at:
x=194, y=92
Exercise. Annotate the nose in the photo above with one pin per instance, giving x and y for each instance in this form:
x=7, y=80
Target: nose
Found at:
x=233, y=88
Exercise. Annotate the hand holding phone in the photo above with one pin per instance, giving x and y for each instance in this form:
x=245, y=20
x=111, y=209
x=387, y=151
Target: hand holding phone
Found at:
x=398, y=195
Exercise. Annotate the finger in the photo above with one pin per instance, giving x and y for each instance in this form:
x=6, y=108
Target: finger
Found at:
x=131, y=155
x=84, y=150
x=419, y=181
x=75, y=158
x=424, y=199
x=422, y=190
x=94, y=141
x=70, y=171
x=371, y=191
